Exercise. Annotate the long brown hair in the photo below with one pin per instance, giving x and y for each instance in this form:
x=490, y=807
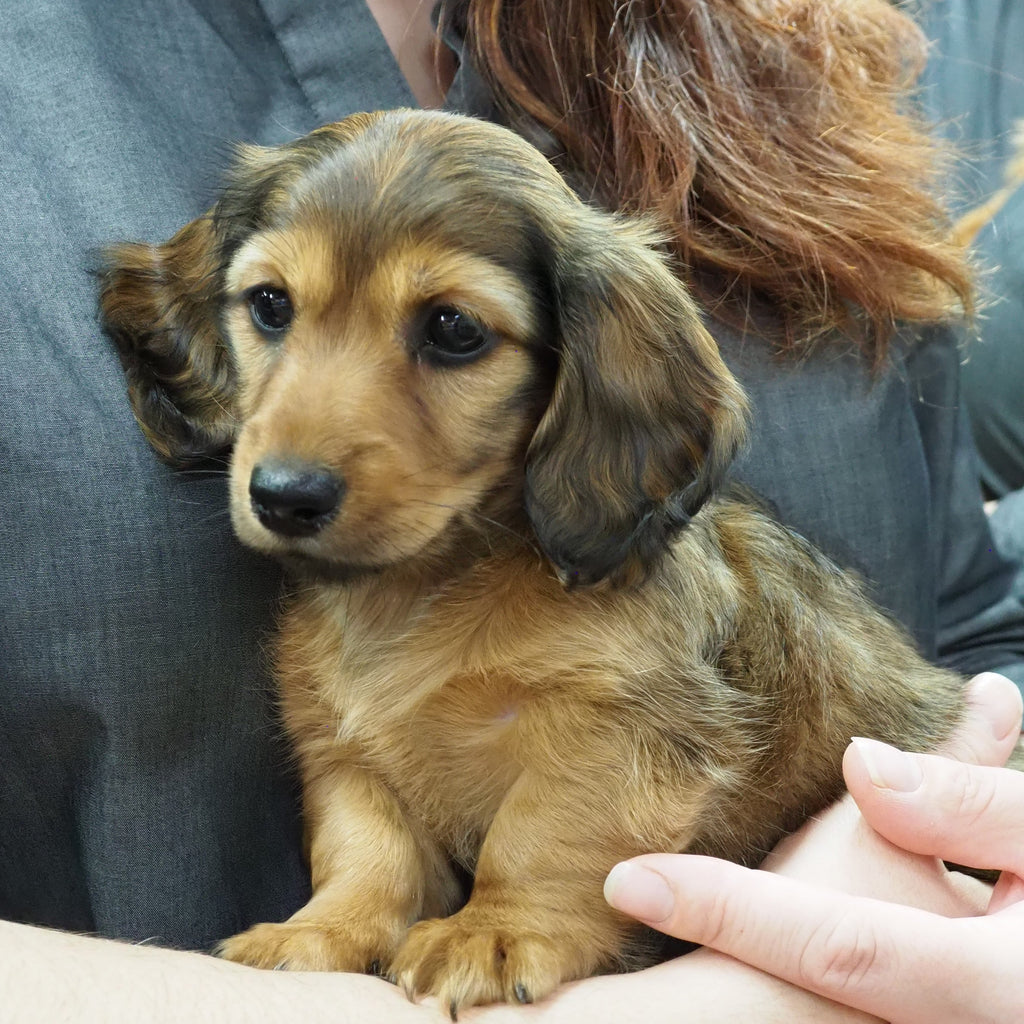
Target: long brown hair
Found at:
x=776, y=139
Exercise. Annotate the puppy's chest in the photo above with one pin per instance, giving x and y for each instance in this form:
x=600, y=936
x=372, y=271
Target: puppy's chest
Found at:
x=448, y=699
x=448, y=737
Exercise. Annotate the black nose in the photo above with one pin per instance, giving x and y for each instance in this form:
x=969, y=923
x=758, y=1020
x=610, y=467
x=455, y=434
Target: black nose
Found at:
x=294, y=499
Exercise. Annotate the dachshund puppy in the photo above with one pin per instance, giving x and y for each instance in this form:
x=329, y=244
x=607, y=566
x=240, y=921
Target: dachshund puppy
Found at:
x=478, y=419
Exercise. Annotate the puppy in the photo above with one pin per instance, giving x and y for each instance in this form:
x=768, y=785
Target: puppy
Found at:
x=478, y=419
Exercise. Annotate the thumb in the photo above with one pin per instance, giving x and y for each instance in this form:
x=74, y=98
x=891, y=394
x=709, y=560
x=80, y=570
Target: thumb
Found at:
x=969, y=814
x=991, y=725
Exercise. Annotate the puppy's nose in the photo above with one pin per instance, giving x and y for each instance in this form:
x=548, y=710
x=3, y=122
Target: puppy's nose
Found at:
x=294, y=499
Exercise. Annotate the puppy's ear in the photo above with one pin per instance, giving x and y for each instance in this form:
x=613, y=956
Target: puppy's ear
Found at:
x=161, y=306
x=645, y=417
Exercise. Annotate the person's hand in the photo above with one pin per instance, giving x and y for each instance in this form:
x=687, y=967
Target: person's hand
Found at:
x=959, y=961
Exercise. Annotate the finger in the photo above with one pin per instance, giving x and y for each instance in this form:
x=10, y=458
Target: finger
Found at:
x=862, y=953
x=992, y=722
x=838, y=849
x=969, y=814
x=1008, y=892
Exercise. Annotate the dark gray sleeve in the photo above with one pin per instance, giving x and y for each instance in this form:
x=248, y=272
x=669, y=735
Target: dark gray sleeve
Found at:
x=878, y=470
x=985, y=631
x=980, y=621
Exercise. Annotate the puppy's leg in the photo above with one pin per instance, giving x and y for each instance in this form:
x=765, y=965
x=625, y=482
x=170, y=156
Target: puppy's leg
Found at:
x=537, y=916
x=372, y=877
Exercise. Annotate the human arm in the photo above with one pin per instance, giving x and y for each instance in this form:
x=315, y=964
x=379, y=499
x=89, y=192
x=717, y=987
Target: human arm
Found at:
x=48, y=975
x=903, y=963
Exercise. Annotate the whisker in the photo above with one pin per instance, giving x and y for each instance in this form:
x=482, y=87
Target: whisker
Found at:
x=215, y=517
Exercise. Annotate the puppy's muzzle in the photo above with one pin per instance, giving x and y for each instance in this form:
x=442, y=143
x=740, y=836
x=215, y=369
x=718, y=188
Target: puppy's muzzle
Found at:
x=294, y=499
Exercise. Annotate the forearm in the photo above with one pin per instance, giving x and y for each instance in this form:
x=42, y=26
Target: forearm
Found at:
x=702, y=988
x=48, y=976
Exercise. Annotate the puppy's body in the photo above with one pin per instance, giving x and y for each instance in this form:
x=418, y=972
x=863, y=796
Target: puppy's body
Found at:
x=453, y=392
x=538, y=738
x=453, y=694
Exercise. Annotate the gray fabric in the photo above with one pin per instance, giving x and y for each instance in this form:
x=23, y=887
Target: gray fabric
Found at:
x=1007, y=524
x=144, y=789
x=142, y=783
x=975, y=87
x=881, y=474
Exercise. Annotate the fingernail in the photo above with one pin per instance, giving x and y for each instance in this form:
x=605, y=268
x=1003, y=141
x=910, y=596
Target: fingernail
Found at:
x=1001, y=713
x=639, y=892
x=888, y=767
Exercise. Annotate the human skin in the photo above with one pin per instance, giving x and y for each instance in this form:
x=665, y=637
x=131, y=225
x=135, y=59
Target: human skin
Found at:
x=846, y=941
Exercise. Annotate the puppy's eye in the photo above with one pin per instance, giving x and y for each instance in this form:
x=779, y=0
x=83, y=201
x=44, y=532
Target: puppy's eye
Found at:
x=452, y=336
x=270, y=308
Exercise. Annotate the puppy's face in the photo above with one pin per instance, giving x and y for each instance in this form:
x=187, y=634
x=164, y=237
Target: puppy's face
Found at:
x=402, y=320
x=389, y=377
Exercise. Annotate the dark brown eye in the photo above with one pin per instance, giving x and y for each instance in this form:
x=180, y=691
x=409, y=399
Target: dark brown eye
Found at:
x=453, y=335
x=270, y=308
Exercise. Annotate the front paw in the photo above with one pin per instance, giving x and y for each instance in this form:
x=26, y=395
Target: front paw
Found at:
x=473, y=958
x=311, y=945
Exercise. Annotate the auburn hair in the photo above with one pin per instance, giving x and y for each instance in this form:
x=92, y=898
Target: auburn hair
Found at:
x=777, y=141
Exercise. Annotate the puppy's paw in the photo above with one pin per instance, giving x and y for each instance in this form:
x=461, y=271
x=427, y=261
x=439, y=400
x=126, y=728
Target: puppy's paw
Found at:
x=309, y=946
x=467, y=959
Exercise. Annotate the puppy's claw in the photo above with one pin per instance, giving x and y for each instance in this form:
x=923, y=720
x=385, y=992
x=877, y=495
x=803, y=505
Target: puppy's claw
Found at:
x=463, y=963
x=408, y=986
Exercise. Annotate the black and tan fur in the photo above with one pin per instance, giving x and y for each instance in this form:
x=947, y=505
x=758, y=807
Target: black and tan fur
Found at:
x=515, y=645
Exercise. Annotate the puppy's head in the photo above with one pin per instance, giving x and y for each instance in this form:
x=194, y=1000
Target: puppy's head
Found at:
x=400, y=316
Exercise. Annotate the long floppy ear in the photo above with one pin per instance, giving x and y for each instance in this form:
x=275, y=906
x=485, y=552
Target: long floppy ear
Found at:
x=645, y=417
x=161, y=306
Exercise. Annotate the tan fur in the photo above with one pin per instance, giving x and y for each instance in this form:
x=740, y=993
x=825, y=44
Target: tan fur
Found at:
x=510, y=649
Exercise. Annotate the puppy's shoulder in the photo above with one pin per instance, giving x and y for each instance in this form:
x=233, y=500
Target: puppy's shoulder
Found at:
x=740, y=547
x=750, y=525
